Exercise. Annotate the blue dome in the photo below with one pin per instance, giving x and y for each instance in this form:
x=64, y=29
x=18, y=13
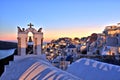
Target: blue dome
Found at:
x=112, y=41
x=71, y=46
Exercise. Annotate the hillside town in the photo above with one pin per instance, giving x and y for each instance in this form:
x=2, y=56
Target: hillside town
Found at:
x=62, y=59
x=60, y=40
x=103, y=47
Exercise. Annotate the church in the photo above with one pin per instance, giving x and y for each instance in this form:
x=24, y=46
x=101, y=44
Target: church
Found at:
x=30, y=63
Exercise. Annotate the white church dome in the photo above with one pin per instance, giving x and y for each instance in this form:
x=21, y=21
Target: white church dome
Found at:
x=88, y=69
x=33, y=68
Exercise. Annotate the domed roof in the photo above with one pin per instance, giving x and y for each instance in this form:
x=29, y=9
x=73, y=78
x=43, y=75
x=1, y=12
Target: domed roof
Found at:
x=112, y=41
x=88, y=69
x=33, y=68
x=71, y=46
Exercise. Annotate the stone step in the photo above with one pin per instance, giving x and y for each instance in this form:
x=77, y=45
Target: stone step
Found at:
x=6, y=68
x=11, y=63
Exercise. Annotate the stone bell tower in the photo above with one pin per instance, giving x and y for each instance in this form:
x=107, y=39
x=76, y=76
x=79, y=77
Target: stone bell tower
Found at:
x=23, y=39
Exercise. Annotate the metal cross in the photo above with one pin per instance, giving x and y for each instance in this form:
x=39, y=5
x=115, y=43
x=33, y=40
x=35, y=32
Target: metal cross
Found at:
x=30, y=25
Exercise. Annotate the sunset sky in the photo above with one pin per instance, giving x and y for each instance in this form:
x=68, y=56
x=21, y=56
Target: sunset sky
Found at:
x=58, y=18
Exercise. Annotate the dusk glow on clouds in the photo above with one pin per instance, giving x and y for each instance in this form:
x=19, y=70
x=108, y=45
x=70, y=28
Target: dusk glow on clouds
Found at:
x=58, y=18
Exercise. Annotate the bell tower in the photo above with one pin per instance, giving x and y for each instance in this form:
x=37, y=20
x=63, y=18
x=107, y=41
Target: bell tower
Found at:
x=23, y=40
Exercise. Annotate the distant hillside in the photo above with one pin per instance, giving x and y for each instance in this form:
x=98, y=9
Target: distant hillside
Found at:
x=7, y=45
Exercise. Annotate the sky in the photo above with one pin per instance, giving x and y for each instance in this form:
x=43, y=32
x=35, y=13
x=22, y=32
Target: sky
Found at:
x=58, y=18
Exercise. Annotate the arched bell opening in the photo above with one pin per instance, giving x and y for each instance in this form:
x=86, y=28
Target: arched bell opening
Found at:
x=30, y=43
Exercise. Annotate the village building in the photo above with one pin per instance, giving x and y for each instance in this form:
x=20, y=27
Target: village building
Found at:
x=112, y=39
